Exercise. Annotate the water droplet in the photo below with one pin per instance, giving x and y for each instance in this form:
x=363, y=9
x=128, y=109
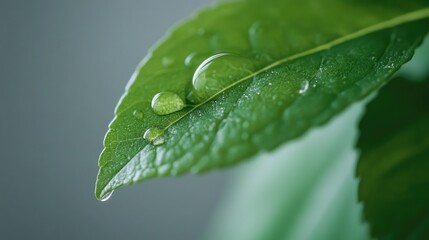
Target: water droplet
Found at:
x=167, y=62
x=154, y=135
x=138, y=115
x=106, y=196
x=189, y=58
x=304, y=87
x=194, y=59
x=218, y=72
x=165, y=103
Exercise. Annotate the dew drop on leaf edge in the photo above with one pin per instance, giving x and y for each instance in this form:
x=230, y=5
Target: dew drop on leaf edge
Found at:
x=164, y=103
x=106, y=196
x=218, y=72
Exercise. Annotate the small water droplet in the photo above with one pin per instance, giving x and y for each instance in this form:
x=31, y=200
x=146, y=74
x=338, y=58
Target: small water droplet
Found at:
x=304, y=87
x=167, y=62
x=154, y=135
x=138, y=115
x=218, y=72
x=189, y=58
x=106, y=196
x=165, y=103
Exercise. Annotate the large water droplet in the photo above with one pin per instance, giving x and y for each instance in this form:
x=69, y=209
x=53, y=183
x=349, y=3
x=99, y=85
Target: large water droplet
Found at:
x=218, y=72
x=165, y=103
x=304, y=87
x=106, y=196
x=138, y=115
x=154, y=135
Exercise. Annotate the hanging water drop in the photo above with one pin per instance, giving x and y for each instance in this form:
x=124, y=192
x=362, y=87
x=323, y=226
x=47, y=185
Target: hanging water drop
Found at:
x=217, y=73
x=165, y=103
x=304, y=87
x=138, y=115
x=154, y=135
x=106, y=196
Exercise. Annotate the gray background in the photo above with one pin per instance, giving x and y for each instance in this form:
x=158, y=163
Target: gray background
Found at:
x=63, y=67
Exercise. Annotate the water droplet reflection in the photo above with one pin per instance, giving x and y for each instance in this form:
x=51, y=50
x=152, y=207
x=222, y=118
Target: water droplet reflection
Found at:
x=106, y=196
x=218, y=72
x=154, y=135
x=165, y=103
x=138, y=115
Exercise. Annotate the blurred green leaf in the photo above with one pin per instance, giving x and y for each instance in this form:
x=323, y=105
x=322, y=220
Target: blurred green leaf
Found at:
x=394, y=163
x=303, y=190
x=418, y=68
x=311, y=60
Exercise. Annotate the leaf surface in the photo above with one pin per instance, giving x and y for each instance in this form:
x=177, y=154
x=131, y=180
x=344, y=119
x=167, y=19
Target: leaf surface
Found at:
x=311, y=60
x=394, y=163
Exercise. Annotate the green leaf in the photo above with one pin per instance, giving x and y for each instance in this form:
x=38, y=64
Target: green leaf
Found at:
x=294, y=193
x=311, y=59
x=394, y=164
x=418, y=68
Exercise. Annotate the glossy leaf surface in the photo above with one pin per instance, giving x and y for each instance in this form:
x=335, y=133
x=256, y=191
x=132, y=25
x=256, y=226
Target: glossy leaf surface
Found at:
x=310, y=60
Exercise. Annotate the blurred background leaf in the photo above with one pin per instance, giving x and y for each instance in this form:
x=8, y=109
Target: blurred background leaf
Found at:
x=303, y=190
x=418, y=68
x=394, y=162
